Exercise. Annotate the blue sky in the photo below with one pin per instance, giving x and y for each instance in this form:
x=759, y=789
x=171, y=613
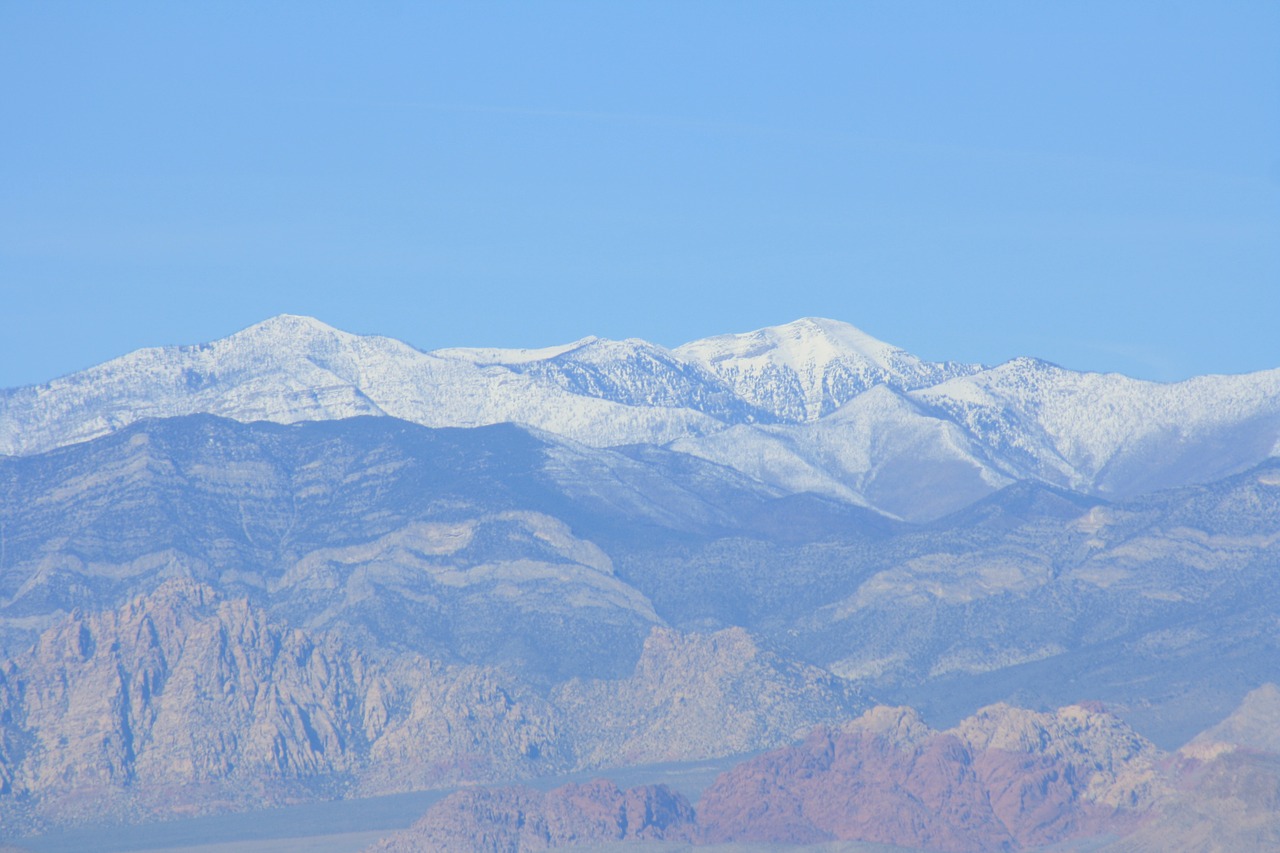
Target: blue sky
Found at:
x=1097, y=184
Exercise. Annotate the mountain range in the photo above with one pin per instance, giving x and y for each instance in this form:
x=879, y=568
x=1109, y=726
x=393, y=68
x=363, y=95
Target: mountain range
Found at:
x=812, y=406
x=298, y=563
x=1003, y=779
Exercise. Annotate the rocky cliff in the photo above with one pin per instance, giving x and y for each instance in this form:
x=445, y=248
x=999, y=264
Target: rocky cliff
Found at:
x=183, y=701
x=1006, y=779
x=699, y=696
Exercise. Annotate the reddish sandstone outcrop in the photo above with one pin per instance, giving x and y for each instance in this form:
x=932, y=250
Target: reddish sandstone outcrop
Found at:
x=507, y=820
x=1004, y=779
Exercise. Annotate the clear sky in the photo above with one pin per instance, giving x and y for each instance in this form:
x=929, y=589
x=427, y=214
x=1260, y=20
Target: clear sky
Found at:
x=1095, y=183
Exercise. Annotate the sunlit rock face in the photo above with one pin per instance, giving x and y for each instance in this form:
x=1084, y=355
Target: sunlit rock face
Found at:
x=700, y=696
x=1006, y=778
x=183, y=700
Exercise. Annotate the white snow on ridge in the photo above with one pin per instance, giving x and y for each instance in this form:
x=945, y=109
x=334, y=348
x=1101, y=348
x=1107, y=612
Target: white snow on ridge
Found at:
x=291, y=369
x=880, y=450
x=1089, y=430
x=807, y=341
x=806, y=369
x=814, y=405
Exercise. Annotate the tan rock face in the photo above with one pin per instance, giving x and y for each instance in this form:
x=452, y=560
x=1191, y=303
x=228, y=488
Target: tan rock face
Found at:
x=1004, y=779
x=1230, y=802
x=183, y=701
x=699, y=696
x=507, y=820
x=448, y=724
x=1254, y=725
x=180, y=690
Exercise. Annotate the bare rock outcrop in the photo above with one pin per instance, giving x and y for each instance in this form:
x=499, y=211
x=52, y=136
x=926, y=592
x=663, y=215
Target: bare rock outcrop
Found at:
x=1228, y=803
x=517, y=819
x=697, y=696
x=1005, y=779
x=1254, y=725
x=1225, y=787
x=182, y=700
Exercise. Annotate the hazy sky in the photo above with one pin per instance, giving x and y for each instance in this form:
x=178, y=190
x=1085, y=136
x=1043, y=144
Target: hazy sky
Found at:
x=1093, y=183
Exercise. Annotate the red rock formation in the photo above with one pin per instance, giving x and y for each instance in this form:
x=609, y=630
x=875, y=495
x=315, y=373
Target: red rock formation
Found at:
x=1005, y=779
x=507, y=820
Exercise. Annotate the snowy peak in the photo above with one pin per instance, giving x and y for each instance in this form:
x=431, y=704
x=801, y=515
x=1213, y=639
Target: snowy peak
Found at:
x=804, y=370
x=280, y=338
x=1110, y=434
x=290, y=369
x=809, y=340
x=761, y=402
x=289, y=326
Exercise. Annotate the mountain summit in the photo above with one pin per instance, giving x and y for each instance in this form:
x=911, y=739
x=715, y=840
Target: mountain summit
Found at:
x=807, y=369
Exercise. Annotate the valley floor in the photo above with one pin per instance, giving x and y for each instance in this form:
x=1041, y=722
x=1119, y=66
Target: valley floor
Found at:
x=341, y=826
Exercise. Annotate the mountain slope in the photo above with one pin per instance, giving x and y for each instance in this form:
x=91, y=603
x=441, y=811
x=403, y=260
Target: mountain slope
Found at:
x=185, y=700
x=631, y=372
x=881, y=449
x=414, y=537
x=1112, y=435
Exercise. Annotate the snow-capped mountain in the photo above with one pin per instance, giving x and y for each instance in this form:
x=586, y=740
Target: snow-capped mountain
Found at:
x=631, y=372
x=290, y=369
x=807, y=369
x=881, y=449
x=193, y=606
x=1110, y=434
x=813, y=405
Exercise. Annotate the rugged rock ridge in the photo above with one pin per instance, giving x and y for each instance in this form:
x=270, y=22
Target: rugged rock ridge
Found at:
x=1005, y=779
x=183, y=700
x=699, y=696
x=1110, y=434
x=512, y=820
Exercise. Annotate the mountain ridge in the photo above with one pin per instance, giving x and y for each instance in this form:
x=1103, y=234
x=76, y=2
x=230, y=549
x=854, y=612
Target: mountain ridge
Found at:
x=790, y=405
